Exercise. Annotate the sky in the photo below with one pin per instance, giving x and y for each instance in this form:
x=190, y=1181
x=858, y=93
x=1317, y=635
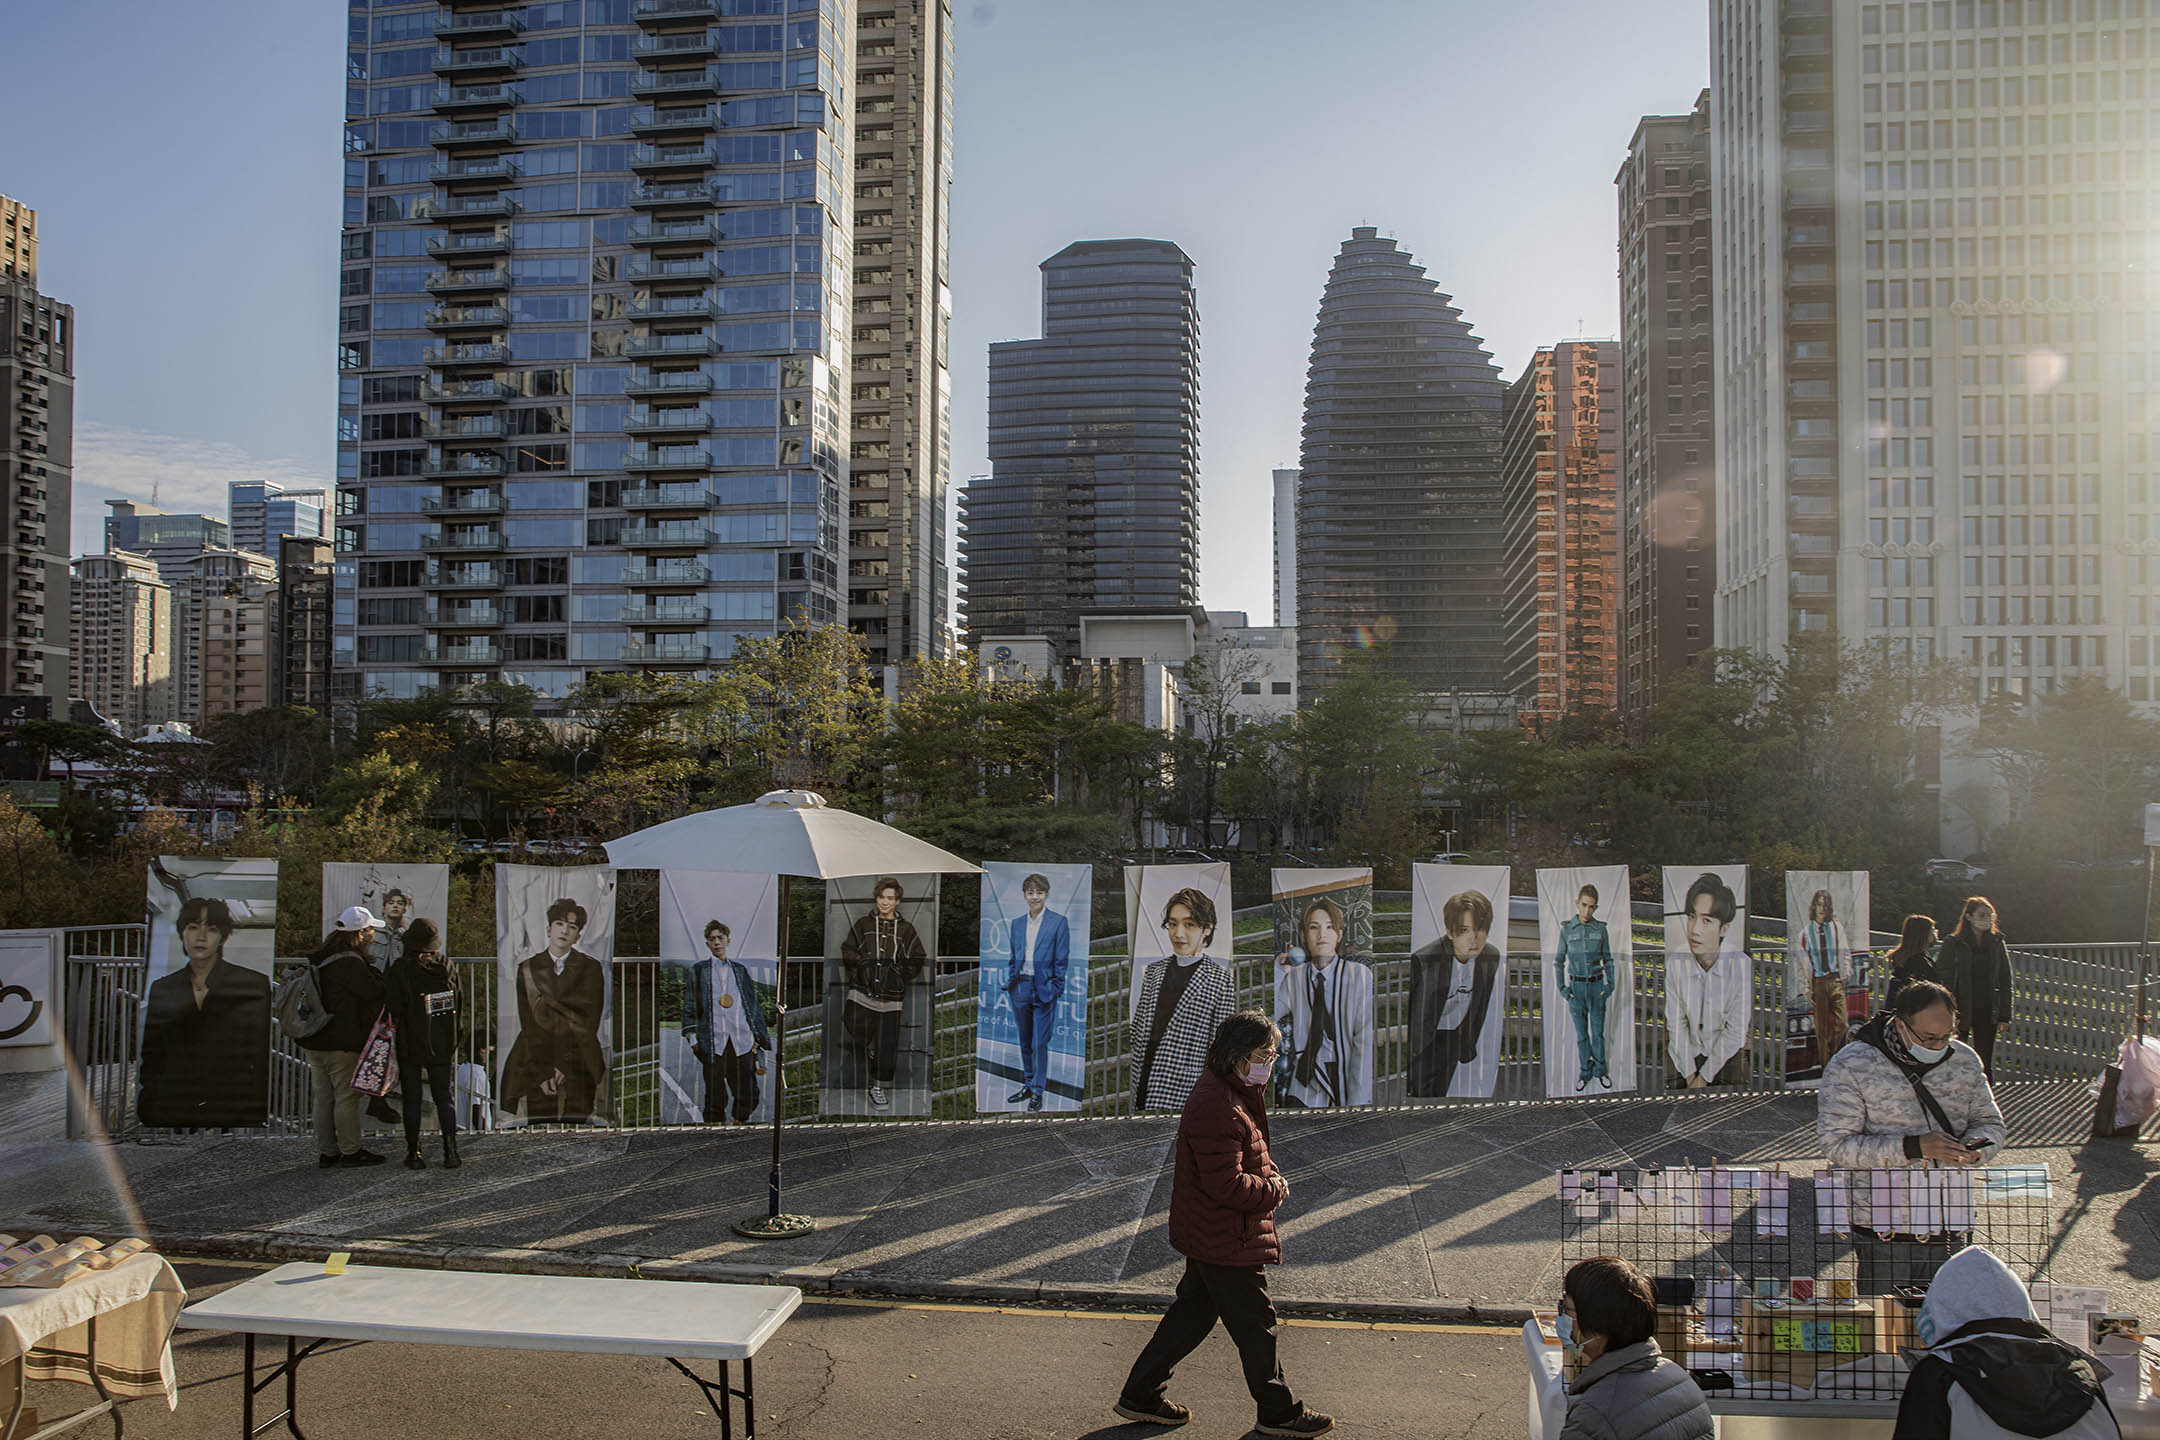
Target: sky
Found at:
x=185, y=164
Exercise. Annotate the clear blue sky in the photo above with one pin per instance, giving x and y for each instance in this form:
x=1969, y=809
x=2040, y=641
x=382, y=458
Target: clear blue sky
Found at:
x=184, y=160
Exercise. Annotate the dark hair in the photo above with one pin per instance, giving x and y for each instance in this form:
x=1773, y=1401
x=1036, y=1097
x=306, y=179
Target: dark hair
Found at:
x=1829, y=906
x=1921, y=995
x=1972, y=903
x=420, y=937
x=1723, y=904
x=1612, y=1300
x=1237, y=1037
x=1198, y=905
x=1590, y=890
x=1325, y=906
x=393, y=890
x=567, y=910
x=1469, y=907
x=1035, y=882
x=1913, y=938
x=209, y=910
x=337, y=942
x=888, y=883
x=712, y=925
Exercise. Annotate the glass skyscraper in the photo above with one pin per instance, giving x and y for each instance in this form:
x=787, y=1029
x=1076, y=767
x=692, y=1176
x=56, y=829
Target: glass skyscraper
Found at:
x=593, y=364
x=1093, y=500
x=1399, y=509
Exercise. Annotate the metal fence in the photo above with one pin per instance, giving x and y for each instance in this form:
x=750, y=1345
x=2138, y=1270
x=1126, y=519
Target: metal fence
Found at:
x=2075, y=1003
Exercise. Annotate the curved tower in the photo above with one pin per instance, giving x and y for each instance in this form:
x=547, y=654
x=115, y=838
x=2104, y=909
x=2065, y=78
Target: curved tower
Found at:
x=1398, y=520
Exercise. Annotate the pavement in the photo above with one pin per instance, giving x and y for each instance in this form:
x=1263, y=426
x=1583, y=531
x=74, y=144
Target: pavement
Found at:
x=1436, y=1213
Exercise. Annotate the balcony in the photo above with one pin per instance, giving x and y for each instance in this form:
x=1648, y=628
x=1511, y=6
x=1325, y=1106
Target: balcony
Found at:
x=667, y=613
x=663, y=12
x=701, y=83
x=477, y=467
x=466, y=577
x=673, y=307
x=445, y=356
x=647, y=196
x=496, y=169
x=463, y=540
x=453, y=64
x=678, y=496
x=667, y=533
x=480, y=25
x=665, y=573
x=470, y=429
x=669, y=270
x=472, y=652
x=471, y=243
x=451, y=99
x=669, y=651
x=452, y=209
x=668, y=457
x=467, y=317
x=701, y=231
x=460, y=133
x=671, y=345
x=675, y=45
x=644, y=420
x=649, y=158
x=471, y=392
x=650, y=122
x=485, y=615
x=668, y=384
x=465, y=502
x=468, y=282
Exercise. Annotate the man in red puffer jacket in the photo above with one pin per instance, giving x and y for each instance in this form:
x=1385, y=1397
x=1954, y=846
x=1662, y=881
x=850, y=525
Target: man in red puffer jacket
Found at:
x=1223, y=1198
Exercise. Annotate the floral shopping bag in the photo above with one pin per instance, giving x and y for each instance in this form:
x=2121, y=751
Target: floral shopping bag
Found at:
x=376, y=1074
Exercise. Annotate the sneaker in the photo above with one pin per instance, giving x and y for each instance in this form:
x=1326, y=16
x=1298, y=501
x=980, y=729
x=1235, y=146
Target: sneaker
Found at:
x=359, y=1158
x=1020, y=1096
x=1034, y=1102
x=1305, y=1422
x=1162, y=1412
x=326, y=1162
x=1605, y=1080
x=413, y=1160
x=878, y=1097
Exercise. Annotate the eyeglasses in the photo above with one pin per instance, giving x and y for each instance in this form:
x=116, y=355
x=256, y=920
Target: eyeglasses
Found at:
x=1927, y=1042
x=1266, y=1057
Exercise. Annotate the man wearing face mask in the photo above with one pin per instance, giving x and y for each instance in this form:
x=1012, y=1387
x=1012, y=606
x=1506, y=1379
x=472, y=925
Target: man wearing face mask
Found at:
x=1626, y=1389
x=1905, y=1092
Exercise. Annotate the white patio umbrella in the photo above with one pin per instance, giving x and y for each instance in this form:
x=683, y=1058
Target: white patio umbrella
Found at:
x=784, y=833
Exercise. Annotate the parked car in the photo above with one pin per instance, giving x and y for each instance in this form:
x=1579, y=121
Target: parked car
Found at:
x=473, y=845
x=1452, y=857
x=1957, y=872
x=502, y=847
x=1188, y=857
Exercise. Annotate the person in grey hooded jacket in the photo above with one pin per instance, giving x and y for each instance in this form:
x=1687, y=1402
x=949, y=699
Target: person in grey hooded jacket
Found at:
x=1627, y=1389
x=1990, y=1371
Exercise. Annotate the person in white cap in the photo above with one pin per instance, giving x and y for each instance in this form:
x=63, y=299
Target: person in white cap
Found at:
x=353, y=994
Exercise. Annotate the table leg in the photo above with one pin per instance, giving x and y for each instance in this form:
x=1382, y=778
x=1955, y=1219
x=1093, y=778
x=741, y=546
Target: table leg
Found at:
x=721, y=1395
x=727, y=1405
x=22, y=1398
x=250, y=1387
x=749, y=1401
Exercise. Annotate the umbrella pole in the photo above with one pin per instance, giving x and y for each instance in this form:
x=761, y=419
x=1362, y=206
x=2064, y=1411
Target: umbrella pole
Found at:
x=773, y=1224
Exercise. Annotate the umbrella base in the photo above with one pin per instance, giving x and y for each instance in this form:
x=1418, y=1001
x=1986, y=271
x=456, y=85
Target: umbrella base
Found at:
x=774, y=1227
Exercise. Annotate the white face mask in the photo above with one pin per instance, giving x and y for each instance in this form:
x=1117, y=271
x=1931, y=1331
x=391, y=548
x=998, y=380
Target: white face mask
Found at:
x=1920, y=1052
x=1258, y=1071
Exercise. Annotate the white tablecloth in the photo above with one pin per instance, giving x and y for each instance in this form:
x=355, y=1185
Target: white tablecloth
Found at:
x=135, y=1302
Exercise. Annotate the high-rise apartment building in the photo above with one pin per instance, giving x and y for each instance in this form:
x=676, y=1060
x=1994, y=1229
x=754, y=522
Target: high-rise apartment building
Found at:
x=1398, y=532
x=37, y=459
x=1286, y=486
x=1093, y=500
x=224, y=607
x=301, y=672
x=18, y=241
x=594, y=389
x=1668, y=550
x=121, y=639
x=1560, y=484
x=171, y=541
x=899, y=570
x=261, y=514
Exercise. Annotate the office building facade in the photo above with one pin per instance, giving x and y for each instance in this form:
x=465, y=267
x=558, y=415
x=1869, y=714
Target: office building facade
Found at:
x=18, y=241
x=900, y=468
x=1561, y=490
x=37, y=460
x=260, y=514
x=305, y=587
x=121, y=633
x=1668, y=549
x=171, y=541
x=1286, y=487
x=224, y=609
x=1093, y=500
x=594, y=391
x=1398, y=532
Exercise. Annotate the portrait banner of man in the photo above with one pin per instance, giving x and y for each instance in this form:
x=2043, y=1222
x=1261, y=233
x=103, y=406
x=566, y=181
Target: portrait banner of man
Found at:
x=1709, y=976
x=1586, y=956
x=395, y=894
x=715, y=1055
x=212, y=939
x=1458, y=980
x=555, y=968
x=1031, y=1014
x=1827, y=968
x=1179, y=919
x=880, y=971
x=1323, y=987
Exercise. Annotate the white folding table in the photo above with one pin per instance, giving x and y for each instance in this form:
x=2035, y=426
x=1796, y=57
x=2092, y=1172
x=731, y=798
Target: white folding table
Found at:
x=674, y=1320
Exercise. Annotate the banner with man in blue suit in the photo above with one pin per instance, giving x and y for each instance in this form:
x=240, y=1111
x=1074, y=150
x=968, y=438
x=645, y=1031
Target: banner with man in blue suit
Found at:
x=1031, y=1033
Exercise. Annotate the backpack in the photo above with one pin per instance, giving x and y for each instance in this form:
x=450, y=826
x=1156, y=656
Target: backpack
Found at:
x=298, y=1003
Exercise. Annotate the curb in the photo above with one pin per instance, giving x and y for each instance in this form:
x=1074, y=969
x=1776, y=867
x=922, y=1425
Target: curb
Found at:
x=812, y=1280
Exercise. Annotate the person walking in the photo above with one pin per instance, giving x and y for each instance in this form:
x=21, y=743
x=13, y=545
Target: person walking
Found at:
x=1224, y=1193
x=1914, y=958
x=1627, y=1389
x=352, y=993
x=424, y=1005
x=1975, y=964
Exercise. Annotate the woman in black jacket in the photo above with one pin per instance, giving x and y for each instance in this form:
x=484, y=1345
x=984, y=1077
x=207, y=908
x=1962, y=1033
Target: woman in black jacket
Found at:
x=424, y=1005
x=1975, y=964
x=352, y=993
x=1913, y=958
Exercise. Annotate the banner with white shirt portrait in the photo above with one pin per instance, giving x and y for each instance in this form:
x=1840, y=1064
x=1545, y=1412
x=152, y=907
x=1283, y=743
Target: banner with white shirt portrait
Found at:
x=1178, y=917
x=714, y=1051
x=881, y=935
x=1709, y=976
x=397, y=895
x=1586, y=955
x=1323, y=987
x=1827, y=965
x=205, y=1051
x=1458, y=980
x=1031, y=1016
x=555, y=993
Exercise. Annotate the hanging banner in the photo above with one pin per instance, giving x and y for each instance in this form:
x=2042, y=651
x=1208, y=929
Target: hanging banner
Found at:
x=555, y=992
x=880, y=940
x=714, y=1054
x=1323, y=987
x=397, y=895
x=1031, y=1020
x=1827, y=967
x=29, y=988
x=1709, y=977
x=1458, y=980
x=1587, y=955
x=1178, y=917
x=212, y=938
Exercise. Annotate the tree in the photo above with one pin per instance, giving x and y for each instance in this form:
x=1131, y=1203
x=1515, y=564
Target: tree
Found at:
x=1209, y=696
x=279, y=750
x=2077, y=767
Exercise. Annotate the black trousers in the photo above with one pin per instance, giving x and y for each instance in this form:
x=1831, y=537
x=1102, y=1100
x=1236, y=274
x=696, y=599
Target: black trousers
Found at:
x=729, y=1073
x=877, y=1038
x=438, y=1081
x=1236, y=1295
x=1980, y=1034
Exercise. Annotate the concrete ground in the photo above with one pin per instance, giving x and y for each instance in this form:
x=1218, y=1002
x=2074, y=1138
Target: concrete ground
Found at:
x=1443, y=1212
